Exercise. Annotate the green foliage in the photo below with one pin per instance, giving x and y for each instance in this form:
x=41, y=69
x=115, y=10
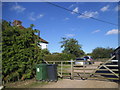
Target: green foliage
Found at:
x=59, y=57
x=32, y=25
x=100, y=52
x=20, y=54
x=45, y=52
x=71, y=46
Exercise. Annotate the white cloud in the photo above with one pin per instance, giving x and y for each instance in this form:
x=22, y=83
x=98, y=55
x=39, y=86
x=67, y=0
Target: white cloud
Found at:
x=18, y=8
x=70, y=35
x=40, y=16
x=66, y=18
x=117, y=8
x=113, y=31
x=105, y=8
x=71, y=6
x=96, y=31
x=75, y=10
x=31, y=16
x=34, y=17
x=88, y=14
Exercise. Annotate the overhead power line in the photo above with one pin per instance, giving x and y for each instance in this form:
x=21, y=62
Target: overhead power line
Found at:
x=81, y=14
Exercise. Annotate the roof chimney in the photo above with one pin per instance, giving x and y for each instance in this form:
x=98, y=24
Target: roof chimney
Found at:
x=17, y=23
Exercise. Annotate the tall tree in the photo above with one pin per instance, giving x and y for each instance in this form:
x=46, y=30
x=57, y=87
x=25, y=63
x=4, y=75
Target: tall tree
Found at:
x=71, y=46
x=101, y=52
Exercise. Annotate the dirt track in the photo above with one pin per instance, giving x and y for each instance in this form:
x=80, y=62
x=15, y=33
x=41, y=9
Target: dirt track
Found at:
x=67, y=83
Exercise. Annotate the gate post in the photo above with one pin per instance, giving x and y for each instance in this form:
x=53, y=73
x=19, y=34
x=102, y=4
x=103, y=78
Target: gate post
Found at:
x=72, y=72
x=61, y=67
x=84, y=71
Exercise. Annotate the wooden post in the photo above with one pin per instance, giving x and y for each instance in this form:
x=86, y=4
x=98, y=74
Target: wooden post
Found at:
x=61, y=67
x=72, y=72
x=84, y=69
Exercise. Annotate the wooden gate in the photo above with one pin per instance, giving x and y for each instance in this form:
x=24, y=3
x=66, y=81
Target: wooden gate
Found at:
x=99, y=70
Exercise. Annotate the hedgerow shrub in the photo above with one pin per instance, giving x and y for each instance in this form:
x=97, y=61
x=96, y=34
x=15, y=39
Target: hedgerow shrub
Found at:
x=20, y=54
x=59, y=57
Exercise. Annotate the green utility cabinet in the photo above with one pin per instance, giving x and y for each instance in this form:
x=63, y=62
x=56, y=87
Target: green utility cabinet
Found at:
x=41, y=72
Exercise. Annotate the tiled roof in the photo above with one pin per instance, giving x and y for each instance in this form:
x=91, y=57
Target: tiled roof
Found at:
x=42, y=40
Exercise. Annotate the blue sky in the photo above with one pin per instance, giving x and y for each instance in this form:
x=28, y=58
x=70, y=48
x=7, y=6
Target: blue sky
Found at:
x=55, y=23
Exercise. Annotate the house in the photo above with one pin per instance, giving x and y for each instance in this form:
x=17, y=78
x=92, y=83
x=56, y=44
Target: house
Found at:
x=42, y=43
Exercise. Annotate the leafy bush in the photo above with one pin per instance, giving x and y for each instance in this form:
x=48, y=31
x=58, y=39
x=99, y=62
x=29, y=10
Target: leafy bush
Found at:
x=20, y=54
x=59, y=57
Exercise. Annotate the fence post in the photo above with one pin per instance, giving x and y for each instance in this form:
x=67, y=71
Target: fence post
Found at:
x=84, y=69
x=72, y=72
x=61, y=67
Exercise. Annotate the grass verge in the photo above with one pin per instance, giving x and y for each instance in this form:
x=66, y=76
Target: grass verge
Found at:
x=32, y=83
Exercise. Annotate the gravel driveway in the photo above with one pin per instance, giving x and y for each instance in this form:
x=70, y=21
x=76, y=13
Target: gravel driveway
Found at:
x=67, y=83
